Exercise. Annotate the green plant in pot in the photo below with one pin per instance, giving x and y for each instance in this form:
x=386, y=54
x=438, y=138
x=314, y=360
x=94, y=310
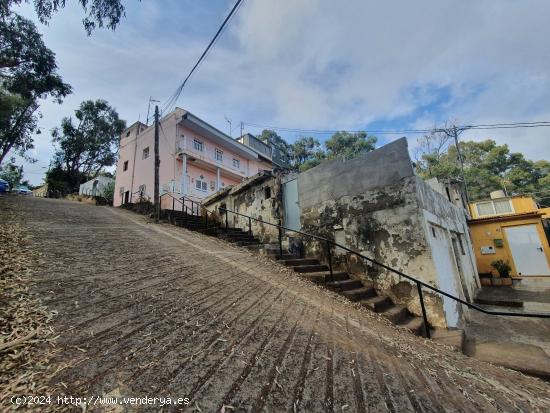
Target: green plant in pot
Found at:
x=503, y=268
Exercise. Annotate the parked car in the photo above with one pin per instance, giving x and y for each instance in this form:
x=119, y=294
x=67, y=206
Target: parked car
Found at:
x=4, y=186
x=22, y=190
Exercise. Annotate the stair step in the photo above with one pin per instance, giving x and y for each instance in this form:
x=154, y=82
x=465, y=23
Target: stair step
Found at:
x=345, y=285
x=396, y=313
x=414, y=324
x=377, y=303
x=358, y=294
x=299, y=261
x=310, y=268
x=319, y=277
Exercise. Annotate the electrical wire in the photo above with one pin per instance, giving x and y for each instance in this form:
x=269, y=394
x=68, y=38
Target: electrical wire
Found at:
x=175, y=96
x=403, y=131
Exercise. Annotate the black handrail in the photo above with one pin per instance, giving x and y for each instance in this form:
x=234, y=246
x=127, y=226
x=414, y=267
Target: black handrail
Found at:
x=419, y=284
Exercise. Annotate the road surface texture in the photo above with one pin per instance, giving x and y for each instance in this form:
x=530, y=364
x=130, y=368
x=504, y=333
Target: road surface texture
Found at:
x=154, y=310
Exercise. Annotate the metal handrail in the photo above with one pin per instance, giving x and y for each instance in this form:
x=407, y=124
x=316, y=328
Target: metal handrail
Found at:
x=419, y=283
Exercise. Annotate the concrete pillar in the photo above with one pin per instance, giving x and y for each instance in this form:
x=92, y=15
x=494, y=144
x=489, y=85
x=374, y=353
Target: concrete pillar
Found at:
x=217, y=178
x=184, y=174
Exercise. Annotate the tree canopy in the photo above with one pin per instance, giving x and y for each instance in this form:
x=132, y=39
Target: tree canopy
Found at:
x=98, y=13
x=487, y=167
x=307, y=152
x=28, y=72
x=89, y=144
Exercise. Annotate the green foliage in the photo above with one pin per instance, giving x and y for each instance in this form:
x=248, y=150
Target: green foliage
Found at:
x=281, y=149
x=99, y=13
x=88, y=145
x=12, y=173
x=109, y=192
x=346, y=145
x=307, y=152
x=28, y=72
x=487, y=167
x=503, y=268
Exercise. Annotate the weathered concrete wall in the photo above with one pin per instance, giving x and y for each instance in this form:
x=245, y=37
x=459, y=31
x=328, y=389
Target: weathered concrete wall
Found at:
x=259, y=197
x=370, y=205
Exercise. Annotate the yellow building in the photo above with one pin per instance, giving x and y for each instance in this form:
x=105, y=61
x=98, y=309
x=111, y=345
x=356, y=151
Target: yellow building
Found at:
x=510, y=229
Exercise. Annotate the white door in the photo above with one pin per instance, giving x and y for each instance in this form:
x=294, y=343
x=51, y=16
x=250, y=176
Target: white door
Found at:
x=292, y=210
x=447, y=272
x=527, y=250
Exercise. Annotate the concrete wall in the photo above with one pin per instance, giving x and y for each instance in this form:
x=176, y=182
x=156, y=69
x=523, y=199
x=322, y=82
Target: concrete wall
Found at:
x=87, y=188
x=374, y=204
x=446, y=229
x=259, y=197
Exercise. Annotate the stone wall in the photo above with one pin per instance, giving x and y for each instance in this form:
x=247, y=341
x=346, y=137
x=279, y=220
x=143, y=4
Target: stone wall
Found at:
x=372, y=205
x=259, y=197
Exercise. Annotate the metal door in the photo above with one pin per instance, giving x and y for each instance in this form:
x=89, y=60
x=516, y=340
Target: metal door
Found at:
x=527, y=250
x=292, y=209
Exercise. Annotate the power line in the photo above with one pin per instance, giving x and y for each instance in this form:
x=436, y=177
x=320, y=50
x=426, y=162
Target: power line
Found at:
x=174, y=98
x=402, y=131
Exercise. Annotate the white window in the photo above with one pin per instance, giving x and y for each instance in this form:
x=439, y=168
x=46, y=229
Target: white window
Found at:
x=201, y=185
x=236, y=163
x=500, y=206
x=485, y=208
x=503, y=206
x=198, y=145
x=218, y=155
x=145, y=154
x=141, y=190
x=121, y=191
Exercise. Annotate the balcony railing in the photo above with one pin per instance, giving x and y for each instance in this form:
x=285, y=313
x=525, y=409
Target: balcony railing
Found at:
x=209, y=154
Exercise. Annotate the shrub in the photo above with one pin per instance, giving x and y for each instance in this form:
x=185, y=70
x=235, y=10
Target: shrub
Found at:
x=502, y=267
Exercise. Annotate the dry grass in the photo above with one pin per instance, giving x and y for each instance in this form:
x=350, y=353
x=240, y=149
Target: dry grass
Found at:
x=26, y=340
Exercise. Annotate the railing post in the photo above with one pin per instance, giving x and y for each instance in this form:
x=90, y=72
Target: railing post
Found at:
x=226, y=220
x=426, y=327
x=249, y=226
x=329, y=255
x=185, y=215
x=280, y=240
x=206, y=219
x=173, y=203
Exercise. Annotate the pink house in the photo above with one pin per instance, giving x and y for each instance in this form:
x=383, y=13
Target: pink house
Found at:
x=196, y=159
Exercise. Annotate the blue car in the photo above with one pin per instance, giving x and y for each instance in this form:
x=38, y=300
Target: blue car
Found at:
x=22, y=190
x=4, y=186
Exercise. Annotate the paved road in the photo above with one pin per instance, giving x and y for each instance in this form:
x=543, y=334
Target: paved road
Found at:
x=154, y=310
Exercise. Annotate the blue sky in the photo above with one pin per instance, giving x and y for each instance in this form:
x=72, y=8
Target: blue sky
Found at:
x=316, y=64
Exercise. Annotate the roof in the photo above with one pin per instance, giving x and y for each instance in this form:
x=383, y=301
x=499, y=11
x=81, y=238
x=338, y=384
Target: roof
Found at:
x=235, y=189
x=506, y=217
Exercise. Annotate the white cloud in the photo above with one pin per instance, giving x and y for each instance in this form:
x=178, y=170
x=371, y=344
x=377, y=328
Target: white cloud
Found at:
x=321, y=64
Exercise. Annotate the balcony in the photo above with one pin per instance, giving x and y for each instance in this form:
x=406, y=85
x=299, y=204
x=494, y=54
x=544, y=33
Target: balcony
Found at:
x=208, y=156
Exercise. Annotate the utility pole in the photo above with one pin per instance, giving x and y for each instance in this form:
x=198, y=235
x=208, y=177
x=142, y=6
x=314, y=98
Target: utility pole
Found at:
x=157, y=164
x=242, y=126
x=455, y=135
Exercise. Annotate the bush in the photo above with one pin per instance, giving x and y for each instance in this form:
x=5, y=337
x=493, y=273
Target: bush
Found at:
x=502, y=267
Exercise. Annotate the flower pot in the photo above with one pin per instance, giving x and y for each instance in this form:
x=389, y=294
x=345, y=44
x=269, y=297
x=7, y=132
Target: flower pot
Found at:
x=496, y=281
x=506, y=281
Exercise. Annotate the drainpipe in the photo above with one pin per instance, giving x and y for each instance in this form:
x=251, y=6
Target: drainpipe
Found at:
x=217, y=179
x=134, y=164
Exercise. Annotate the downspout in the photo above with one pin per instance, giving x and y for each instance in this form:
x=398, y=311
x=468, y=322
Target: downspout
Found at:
x=134, y=165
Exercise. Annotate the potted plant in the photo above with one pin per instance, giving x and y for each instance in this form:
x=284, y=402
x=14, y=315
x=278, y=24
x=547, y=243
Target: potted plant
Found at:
x=503, y=269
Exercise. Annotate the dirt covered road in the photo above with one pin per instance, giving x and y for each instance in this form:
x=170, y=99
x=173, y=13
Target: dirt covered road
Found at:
x=147, y=310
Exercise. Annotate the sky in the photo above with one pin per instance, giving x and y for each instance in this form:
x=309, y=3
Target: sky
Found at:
x=314, y=64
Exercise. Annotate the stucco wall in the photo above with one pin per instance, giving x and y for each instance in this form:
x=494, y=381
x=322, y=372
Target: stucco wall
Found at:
x=258, y=197
x=374, y=204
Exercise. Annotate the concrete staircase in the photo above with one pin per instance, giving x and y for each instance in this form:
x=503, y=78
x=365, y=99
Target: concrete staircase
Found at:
x=313, y=270
x=355, y=291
